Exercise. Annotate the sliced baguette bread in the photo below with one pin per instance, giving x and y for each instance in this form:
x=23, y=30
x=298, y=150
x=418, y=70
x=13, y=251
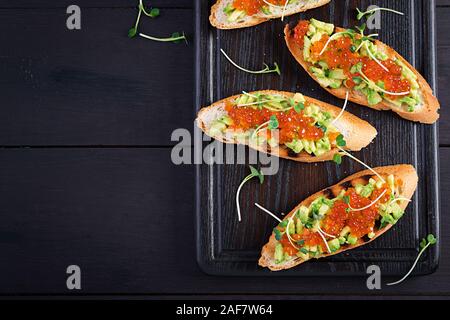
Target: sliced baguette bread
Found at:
x=425, y=112
x=356, y=132
x=406, y=182
x=235, y=20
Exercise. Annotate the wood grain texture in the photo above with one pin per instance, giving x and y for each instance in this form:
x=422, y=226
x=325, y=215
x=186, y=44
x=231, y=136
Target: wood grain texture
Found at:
x=93, y=86
x=227, y=247
x=443, y=30
x=126, y=217
x=110, y=211
x=31, y=4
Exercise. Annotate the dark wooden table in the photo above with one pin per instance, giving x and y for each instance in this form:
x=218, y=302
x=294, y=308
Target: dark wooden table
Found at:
x=85, y=170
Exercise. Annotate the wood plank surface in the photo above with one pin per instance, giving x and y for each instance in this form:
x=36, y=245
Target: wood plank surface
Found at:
x=93, y=86
x=97, y=207
x=32, y=4
x=127, y=218
x=443, y=28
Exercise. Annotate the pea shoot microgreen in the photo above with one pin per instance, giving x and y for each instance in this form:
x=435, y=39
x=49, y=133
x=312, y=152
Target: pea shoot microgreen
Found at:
x=176, y=37
x=362, y=14
x=299, y=107
x=424, y=244
x=337, y=158
x=254, y=173
x=273, y=123
x=340, y=142
x=154, y=12
x=277, y=233
x=346, y=199
x=267, y=69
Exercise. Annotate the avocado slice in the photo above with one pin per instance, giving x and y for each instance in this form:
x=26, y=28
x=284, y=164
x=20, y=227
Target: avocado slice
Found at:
x=327, y=27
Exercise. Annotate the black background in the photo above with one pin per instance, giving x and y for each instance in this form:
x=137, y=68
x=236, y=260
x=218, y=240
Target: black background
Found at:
x=85, y=170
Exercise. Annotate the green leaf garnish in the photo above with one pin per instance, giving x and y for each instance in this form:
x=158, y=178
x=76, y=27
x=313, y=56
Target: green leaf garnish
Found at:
x=266, y=69
x=346, y=199
x=141, y=9
x=361, y=14
x=431, y=239
x=283, y=224
x=299, y=107
x=357, y=80
x=424, y=244
x=301, y=242
x=361, y=28
x=277, y=233
x=337, y=158
x=256, y=173
x=273, y=123
x=176, y=37
x=253, y=173
x=154, y=12
x=340, y=141
x=304, y=250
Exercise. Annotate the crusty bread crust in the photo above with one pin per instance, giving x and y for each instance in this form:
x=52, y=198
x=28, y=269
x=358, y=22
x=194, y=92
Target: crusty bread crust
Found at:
x=357, y=132
x=428, y=113
x=406, y=173
x=218, y=19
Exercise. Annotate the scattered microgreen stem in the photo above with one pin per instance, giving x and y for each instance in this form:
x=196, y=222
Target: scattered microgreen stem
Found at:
x=268, y=212
x=360, y=162
x=272, y=124
x=154, y=12
x=342, y=110
x=253, y=174
x=361, y=14
x=284, y=10
x=176, y=37
x=424, y=244
x=266, y=69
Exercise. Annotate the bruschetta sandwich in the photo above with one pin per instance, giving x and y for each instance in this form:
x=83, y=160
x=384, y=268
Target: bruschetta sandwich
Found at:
x=345, y=216
x=233, y=14
x=374, y=74
x=307, y=130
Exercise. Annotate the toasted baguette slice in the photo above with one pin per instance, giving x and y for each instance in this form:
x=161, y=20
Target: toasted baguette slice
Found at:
x=406, y=176
x=357, y=132
x=426, y=113
x=220, y=20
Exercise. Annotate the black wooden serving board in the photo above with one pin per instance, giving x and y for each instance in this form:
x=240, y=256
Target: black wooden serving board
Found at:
x=227, y=247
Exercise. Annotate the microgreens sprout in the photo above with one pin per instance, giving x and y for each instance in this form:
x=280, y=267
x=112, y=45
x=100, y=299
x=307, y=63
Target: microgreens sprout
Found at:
x=378, y=88
x=374, y=58
x=324, y=240
x=284, y=10
x=253, y=173
x=399, y=199
x=340, y=142
x=272, y=124
x=326, y=234
x=154, y=12
x=268, y=212
x=369, y=205
x=332, y=38
x=266, y=69
x=424, y=244
x=362, y=163
x=361, y=14
x=175, y=38
x=343, y=109
x=337, y=158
